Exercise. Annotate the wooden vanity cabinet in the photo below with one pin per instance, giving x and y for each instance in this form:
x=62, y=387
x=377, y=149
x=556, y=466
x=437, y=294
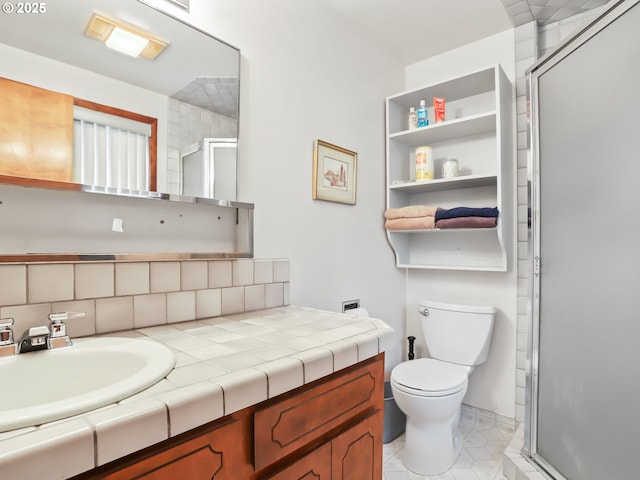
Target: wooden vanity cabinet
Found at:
x=330, y=429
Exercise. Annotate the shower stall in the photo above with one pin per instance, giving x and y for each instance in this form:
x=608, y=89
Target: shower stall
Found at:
x=583, y=364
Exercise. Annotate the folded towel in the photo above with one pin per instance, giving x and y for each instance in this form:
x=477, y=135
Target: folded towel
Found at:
x=466, y=212
x=467, y=222
x=410, y=211
x=419, y=223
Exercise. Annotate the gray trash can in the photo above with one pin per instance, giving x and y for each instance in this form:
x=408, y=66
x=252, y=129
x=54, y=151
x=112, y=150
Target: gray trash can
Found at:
x=394, y=420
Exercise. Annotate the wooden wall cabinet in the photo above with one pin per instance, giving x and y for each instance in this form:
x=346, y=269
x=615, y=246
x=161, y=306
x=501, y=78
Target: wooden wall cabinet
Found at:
x=330, y=429
x=36, y=132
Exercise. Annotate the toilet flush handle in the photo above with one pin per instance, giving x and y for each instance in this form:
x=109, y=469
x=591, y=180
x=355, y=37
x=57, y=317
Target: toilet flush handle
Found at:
x=424, y=312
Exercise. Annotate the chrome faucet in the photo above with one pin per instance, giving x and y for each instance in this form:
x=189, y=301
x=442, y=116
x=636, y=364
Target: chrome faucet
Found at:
x=43, y=337
x=35, y=338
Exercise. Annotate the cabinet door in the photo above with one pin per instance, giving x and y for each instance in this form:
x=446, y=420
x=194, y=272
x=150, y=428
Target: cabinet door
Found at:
x=314, y=466
x=357, y=453
x=214, y=454
x=41, y=123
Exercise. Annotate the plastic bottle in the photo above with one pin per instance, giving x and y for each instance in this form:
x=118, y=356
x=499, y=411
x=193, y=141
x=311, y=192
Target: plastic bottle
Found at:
x=423, y=120
x=413, y=119
x=424, y=163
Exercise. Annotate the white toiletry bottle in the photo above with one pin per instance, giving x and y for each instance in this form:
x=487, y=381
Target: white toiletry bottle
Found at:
x=423, y=121
x=413, y=119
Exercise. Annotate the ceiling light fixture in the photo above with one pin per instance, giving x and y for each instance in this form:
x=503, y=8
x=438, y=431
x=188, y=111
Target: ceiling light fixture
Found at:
x=124, y=38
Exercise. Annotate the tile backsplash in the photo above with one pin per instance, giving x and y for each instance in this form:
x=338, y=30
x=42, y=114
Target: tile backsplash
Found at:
x=124, y=295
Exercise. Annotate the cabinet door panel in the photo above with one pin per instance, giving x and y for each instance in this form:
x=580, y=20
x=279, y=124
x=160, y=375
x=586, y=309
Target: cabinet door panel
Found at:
x=357, y=453
x=314, y=466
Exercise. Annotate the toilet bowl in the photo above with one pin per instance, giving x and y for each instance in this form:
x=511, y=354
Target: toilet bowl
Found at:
x=430, y=390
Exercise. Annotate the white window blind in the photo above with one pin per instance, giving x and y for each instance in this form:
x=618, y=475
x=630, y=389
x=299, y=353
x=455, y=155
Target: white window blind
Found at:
x=110, y=151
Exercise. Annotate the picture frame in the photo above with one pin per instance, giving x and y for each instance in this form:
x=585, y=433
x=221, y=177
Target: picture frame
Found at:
x=335, y=172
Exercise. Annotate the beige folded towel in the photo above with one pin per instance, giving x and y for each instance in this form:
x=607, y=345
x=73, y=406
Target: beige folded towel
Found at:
x=411, y=211
x=419, y=223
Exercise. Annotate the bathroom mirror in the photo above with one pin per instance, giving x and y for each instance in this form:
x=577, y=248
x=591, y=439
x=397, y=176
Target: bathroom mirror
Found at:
x=190, y=90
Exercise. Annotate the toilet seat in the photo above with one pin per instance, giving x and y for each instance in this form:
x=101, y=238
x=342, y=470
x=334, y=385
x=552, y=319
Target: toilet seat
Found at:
x=428, y=377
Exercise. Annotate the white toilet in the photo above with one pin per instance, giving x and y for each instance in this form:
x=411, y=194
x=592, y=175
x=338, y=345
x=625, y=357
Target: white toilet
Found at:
x=430, y=390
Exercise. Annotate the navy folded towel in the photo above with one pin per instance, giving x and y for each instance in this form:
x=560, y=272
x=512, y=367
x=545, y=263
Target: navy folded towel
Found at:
x=467, y=212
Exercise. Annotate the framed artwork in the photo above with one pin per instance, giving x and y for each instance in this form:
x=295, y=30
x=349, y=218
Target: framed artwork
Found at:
x=334, y=173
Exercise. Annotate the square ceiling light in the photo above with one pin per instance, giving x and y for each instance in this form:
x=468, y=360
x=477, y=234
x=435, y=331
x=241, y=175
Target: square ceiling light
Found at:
x=124, y=38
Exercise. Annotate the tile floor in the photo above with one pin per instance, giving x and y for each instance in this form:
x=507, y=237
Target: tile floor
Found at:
x=486, y=436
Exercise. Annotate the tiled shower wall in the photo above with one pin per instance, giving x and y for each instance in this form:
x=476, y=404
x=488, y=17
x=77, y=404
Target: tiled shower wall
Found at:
x=187, y=125
x=125, y=295
x=532, y=41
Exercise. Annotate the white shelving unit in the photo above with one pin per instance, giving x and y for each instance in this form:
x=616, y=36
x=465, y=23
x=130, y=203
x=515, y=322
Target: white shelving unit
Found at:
x=476, y=131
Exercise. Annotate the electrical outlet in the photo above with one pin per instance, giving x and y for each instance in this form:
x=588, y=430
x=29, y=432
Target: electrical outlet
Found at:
x=350, y=305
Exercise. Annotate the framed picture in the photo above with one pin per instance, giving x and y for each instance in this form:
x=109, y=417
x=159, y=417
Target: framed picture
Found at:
x=334, y=173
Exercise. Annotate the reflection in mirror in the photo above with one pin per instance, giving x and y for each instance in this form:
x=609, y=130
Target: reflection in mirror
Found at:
x=207, y=167
x=108, y=120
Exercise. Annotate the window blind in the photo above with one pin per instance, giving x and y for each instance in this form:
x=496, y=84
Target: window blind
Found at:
x=110, y=151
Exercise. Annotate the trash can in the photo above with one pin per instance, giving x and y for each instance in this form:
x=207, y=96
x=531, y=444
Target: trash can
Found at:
x=394, y=420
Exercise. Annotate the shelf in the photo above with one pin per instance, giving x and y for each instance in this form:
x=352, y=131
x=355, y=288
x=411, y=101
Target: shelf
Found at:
x=470, y=268
x=453, y=89
x=441, y=184
x=449, y=249
x=481, y=139
x=448, y=130
x=445, y=230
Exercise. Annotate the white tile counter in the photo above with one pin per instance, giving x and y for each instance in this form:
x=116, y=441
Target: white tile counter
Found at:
x=223, y=365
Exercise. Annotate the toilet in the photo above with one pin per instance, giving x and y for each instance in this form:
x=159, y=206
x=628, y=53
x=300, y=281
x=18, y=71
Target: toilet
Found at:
x=430, y=390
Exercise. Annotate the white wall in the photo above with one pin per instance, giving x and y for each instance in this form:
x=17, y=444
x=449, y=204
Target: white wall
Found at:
x=307, y=75
x=492, y=385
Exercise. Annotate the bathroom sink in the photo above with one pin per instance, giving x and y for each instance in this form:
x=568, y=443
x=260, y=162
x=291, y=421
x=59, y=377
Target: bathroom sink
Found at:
x=43, y=386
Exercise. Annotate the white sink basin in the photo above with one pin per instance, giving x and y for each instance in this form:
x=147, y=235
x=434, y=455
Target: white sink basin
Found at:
x=39, y=387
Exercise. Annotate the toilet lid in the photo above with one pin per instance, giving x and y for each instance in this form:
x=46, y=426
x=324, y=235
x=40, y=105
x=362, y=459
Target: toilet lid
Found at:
x=430, y=377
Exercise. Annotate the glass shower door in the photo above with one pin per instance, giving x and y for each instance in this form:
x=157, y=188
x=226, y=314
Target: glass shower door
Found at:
x=583, y=417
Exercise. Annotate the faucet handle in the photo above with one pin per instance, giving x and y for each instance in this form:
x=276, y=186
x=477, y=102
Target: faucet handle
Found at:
x=58, y=330
x=59, y=317
x=6, y=337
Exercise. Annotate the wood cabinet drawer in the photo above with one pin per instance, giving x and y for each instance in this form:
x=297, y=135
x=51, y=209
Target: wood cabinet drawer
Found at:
x=214, y=454
x=286, y=425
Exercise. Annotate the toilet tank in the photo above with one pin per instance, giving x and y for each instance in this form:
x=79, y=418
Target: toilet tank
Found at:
x=457, y=332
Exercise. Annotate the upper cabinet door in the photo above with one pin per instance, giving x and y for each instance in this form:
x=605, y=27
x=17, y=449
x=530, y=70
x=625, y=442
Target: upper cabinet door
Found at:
x=36, y=132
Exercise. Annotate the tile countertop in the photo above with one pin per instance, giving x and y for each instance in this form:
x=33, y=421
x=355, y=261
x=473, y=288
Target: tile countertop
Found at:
x=223, y=365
